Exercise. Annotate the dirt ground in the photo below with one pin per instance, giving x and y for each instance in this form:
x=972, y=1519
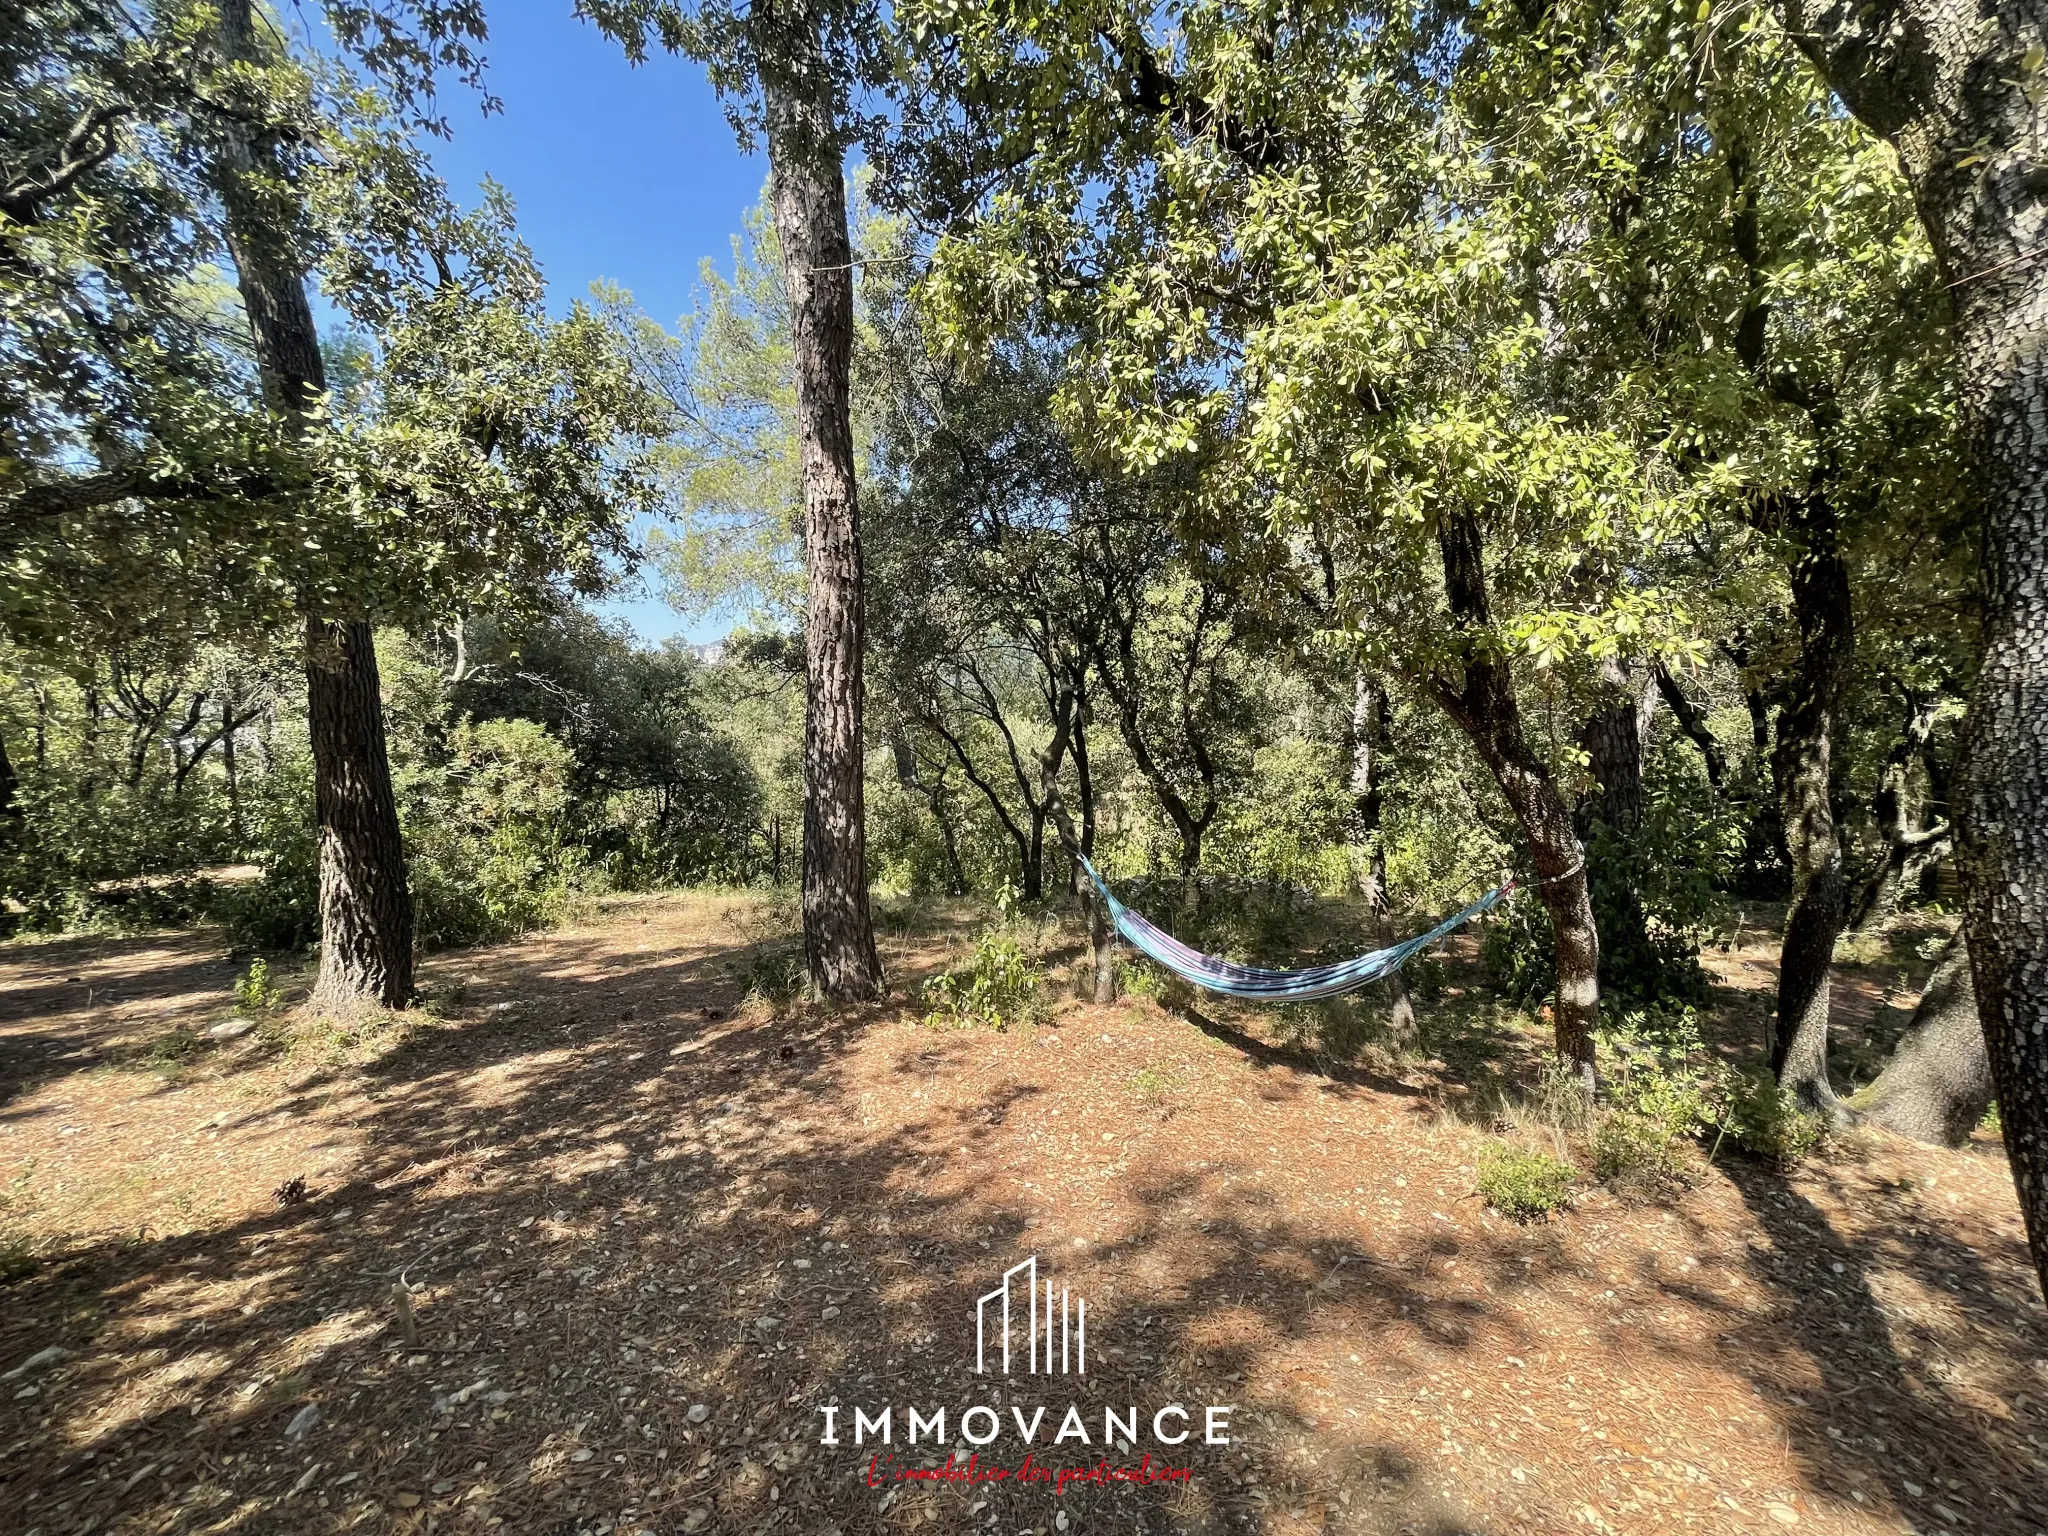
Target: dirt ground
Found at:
x=644, y=1233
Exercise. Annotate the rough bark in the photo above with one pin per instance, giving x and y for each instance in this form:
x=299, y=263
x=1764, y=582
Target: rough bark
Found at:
x=1800, y=767
x=1954, y=85
x=1372, y=723
x=1481, y=699
x=1614, y=737
x=1937, y=1085
x=365, y=904
x=807, y=171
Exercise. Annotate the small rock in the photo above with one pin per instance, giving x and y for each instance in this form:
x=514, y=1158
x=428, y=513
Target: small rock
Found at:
x=302, y=1422
x=698, y=1413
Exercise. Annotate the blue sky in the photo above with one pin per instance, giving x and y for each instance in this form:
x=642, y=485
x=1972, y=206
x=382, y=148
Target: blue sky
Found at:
x=628, y=174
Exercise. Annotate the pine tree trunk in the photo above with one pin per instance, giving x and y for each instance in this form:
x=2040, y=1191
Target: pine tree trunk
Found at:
x=1937, y=1085
x=805, y=161
x=1372, y=724
x=1482, y=702
x=1801, y=766
x=365, y=905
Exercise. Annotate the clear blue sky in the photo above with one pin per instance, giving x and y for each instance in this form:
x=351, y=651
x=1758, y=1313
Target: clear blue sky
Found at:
x=628, y=174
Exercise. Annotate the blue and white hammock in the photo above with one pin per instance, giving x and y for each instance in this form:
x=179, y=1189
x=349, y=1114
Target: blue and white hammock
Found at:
x=1257, y=982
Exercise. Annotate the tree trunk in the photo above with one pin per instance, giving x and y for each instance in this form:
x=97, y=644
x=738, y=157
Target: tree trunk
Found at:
x=231, y=768
x=1950, y=83
x=365, y=905
x=1482, y=702
x=1372, y=724
x=1800, y=765
x=1032, y=883
x=1907, y=847
x=1937, y=1085
x=10, y=787
x=805, y=161
x=1101, y=932
x=1614, y=737
x=1613, y=740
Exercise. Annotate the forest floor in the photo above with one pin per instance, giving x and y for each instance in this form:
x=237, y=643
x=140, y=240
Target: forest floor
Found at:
x=647, y=1227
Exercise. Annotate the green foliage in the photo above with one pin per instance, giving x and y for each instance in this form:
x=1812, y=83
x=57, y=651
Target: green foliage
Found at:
x=486, y=834
x=1766, y=1121
x=1525, y=1185
x=996, y=986
x=255, y=993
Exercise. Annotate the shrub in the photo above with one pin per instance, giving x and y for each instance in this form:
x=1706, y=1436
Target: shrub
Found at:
x=1658, y=1088
x=255, y=993
x=1525, y=1185
x=1766, y=1120
x=996, y=986
x=487, y=835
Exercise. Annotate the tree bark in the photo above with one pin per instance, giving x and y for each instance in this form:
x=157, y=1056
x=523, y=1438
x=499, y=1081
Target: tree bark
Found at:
x=1101, y=933
x=1372, y=724
x=1938, y=1084
x=10, y=786
x=1954, y=86
x=1613, y=738
x=1482, y=702
x=1800, y=767
x=806, y=164
x=365, y=904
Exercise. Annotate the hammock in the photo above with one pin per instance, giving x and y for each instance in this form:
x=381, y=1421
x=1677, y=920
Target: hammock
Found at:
x=1252, y=981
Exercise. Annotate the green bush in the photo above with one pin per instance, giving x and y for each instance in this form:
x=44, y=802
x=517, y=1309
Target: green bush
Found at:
x=487, y=835
x=997, y=986
x=1765, y=1120
x=1525, y=1185
x=255, y=993
x=280, y=909
x=1659, y=1082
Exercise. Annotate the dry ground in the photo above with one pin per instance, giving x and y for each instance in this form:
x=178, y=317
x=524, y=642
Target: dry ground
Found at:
x=645, y=1231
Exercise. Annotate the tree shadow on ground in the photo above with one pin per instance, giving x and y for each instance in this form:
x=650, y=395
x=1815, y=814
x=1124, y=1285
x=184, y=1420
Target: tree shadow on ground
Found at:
x=648, y=1231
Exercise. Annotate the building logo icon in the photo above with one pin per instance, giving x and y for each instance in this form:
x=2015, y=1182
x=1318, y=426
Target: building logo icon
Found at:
x=1038, y=1318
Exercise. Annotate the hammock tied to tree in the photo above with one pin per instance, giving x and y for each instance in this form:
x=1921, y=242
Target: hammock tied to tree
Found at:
x=1257, y=982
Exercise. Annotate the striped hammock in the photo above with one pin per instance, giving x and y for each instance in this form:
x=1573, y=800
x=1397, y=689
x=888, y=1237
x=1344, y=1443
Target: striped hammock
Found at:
x=1260, y=984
